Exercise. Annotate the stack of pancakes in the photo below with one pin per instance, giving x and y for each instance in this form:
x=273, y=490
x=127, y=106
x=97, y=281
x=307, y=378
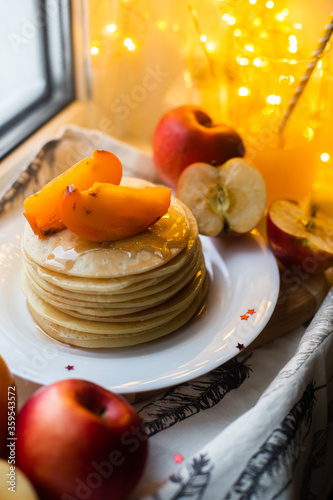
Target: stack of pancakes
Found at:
x=120, y=293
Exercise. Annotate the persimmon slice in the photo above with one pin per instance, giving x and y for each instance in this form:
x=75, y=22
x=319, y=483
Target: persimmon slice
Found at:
x=106, y=212
x=42, y=209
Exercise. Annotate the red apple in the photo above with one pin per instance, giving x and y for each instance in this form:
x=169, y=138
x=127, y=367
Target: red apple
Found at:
x=300, y=242
x=187, y=135
x=7, y=406
x=76, y=439
x=229, y=199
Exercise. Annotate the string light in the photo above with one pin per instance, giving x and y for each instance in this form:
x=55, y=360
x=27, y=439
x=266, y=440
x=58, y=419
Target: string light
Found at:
x=273, y=99
x=270, y=4
x=324, y=157
x=129, y=44
x=298, y=26
x=237, y=32
x=243, y=91
x=203, y=38
x=210, y=46
x=94, y=50
x=257, y=62
x=243, y=61
x=308, y=133
x=111, y=28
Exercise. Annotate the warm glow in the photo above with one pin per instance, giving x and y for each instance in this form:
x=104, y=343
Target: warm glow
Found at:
x=286, y=80
x=270, y=4
x=161, y=24
x=94, y=50
x=243, y=91
x=243, y=61
x=280, y=17
x=231, y=20
x=252, y=2
x=203, y=38
x=293, y=44
x=257, y=62
x=273, y=99
x=324, y=157
x=320, y=64
x=285, y=12
x=298, y=26
x=308, y=133
x=225, y=17
x=257, y=21
x=188, y=79
x=249, y=48
x=111, y=28
x=129, y=44
x=237, y=32
x=263, y=34
x=210, y=46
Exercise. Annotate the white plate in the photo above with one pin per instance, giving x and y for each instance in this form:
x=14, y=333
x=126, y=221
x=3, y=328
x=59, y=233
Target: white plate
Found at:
x=243, y=277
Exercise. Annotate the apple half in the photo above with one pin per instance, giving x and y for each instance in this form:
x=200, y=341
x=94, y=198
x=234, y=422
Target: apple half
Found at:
x=227, y=199
x=297, y=240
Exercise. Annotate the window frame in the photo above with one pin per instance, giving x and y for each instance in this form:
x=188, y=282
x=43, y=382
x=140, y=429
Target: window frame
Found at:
x=55, y=97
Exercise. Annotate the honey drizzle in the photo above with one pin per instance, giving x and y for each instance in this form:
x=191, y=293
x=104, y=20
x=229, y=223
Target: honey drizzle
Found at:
x=170, y=232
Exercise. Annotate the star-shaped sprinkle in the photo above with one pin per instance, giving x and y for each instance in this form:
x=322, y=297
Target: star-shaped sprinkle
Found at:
x=244, y=316
x=251, y=311
x=178, y=458
x=69, y=367
x=240, y=346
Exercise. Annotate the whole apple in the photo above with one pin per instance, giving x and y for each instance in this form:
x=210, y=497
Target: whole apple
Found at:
x=187, y=135
x=7, y=406
x=76, y=439
x=304, y=244
x=15, y=484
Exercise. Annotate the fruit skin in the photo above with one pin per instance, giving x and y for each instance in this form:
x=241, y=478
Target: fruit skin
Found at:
x=226, y=200
x=187, y=135
x=106, y=212
x=42, y=209
x=296, y=245
x=78, y=439
x=7, y=404
x=22, y=486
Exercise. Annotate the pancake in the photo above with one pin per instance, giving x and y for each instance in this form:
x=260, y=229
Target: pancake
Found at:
x=113, y=294
x=183, y=298
x=131, y=292
x=117, y=303
x=74, y=256
x=90, y=341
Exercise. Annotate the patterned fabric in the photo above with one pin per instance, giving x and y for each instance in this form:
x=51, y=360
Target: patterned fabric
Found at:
x=279, y=448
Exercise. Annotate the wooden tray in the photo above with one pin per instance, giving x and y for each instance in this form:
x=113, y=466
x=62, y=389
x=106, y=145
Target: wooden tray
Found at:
x=299, y=299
